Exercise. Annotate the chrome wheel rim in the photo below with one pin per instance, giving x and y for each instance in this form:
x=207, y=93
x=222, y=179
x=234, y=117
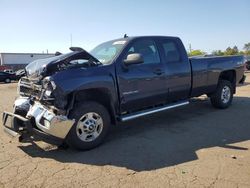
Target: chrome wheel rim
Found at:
x=89, y=127
x=225, y=94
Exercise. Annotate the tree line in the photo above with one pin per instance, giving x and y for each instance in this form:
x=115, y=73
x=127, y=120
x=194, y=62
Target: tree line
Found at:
x=229, y=51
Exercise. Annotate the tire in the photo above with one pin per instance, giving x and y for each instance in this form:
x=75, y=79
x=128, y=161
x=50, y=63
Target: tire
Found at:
x=7, y=80
x=223, y=96
x=92, y=124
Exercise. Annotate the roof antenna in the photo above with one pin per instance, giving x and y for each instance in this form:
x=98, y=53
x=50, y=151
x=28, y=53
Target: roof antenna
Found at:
x=125, y=36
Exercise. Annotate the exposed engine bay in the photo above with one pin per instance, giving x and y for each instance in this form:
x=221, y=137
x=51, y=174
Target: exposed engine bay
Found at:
x=39, y=86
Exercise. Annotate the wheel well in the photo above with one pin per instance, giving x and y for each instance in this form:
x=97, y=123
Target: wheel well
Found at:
x=230, y=76
x=101, y=96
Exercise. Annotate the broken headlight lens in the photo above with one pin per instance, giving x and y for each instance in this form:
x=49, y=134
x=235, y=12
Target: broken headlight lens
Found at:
x=49, y=86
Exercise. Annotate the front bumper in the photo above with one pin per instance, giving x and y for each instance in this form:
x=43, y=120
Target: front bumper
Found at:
x=39, y=121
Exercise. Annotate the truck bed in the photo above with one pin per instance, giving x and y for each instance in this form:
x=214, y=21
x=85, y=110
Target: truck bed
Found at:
x=207, y=70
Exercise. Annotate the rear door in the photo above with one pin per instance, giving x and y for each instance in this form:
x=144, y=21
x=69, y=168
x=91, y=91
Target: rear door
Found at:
x=141, y=85
x=177, y=68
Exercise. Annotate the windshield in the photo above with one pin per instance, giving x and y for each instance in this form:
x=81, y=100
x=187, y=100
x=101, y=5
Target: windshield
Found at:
x=107, y=51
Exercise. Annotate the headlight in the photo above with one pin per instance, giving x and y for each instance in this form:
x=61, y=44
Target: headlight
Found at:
x=49, y=86
x=48, y=93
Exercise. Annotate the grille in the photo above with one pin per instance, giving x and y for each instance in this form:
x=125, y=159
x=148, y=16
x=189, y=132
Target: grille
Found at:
x=28, y=88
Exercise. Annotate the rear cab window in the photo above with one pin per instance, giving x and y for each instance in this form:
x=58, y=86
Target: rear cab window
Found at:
x=171, y=51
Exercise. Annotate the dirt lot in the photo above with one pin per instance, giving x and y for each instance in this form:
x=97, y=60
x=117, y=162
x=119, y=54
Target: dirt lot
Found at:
x=194, y=146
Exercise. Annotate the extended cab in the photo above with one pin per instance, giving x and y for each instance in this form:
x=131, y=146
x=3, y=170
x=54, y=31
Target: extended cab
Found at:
x=75, y=97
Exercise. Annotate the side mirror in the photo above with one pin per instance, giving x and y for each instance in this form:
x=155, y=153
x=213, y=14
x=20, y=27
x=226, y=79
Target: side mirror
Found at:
x=133, y=59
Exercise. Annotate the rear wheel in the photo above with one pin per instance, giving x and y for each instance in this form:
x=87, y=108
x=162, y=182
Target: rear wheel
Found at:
x=7, y=80
x=92, y=123
x=223, y=96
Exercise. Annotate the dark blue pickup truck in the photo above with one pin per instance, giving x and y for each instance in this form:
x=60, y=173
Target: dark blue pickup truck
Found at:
x=74, y=98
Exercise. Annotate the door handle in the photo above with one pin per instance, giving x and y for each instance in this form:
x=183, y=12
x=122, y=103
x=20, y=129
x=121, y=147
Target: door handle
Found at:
x=158, y=72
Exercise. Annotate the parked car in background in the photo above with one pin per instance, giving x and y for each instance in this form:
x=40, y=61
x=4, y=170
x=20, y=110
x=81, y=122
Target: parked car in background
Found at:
x=4, y=67
x=7, y=77
x=10, y=71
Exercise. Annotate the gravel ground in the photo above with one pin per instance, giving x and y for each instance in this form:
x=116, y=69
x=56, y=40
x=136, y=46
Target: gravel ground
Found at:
x=192, y=146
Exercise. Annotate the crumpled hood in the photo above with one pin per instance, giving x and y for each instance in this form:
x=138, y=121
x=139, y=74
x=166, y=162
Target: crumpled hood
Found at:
x=39, y=68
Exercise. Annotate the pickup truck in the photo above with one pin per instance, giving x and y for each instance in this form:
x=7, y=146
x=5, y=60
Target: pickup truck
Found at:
x=74, y=98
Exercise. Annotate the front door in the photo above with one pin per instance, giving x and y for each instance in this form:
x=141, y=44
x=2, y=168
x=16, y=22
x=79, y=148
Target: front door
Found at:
x=142, y=85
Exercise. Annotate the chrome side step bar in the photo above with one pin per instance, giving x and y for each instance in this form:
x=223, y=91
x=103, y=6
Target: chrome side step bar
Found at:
x=154, y=110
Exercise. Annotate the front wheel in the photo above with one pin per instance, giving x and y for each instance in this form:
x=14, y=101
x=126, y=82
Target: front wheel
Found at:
x=223, y=96
x=92, y=123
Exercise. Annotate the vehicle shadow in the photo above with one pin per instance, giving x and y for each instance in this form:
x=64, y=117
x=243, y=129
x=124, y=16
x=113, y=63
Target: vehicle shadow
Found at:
x=164, y=139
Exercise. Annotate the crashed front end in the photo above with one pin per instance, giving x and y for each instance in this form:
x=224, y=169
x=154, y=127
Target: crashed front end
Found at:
x=35, y=113
x=40, y=108
x=43, y=106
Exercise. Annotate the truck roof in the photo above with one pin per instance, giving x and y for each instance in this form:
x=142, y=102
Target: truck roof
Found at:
x=147, y=36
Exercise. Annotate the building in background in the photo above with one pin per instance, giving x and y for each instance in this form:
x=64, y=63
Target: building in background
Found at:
x=18, y=61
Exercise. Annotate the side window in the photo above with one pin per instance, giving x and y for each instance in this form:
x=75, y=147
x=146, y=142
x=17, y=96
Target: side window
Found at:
x=131, y=50
x=147, y=49
x=171, y=51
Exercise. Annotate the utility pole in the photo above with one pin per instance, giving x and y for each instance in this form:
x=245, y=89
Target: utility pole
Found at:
x=190, y=48
x=70, y=39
